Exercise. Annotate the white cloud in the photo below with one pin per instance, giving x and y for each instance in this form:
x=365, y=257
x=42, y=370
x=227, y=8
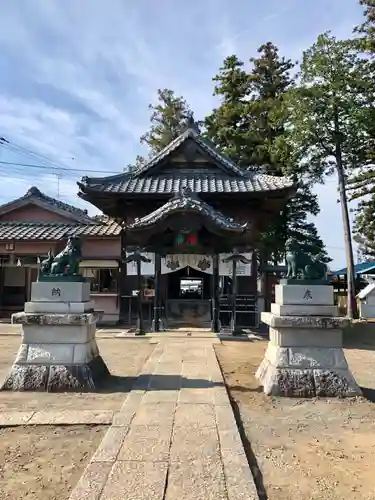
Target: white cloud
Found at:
x=86, y=71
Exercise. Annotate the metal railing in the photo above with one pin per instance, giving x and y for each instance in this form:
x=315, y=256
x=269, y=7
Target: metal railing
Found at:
x=246, y=311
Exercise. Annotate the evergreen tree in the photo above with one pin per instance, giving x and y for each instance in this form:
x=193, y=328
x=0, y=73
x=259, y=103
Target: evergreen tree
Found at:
x=364, y=229
x=140, y=161
x=362, y=183
x=250, y=127
x=367, y=29
x=329, y=109
x=168, y=120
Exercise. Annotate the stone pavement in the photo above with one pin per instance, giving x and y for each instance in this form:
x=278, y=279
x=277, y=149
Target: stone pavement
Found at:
x=175, y=437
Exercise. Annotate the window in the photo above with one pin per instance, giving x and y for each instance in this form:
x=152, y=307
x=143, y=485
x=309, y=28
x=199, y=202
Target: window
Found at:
x=191, y=288
x=102, y=280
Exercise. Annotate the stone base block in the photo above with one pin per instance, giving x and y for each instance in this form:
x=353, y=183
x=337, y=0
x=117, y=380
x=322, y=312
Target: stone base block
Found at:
x=59, y=307
x=311, y=322
x=303, y=337
x=43, y=319
x=56, y=377
x=57, y=353
x=56, y=291
x=304, y=310
x=58, y=334
x=306, y=383
x=306, y=357
x=306, y=372
x=317, y=295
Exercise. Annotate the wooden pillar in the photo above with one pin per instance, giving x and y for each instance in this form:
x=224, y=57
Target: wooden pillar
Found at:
x=140, y=328
x=124, y=305
x=234, y=297
x=157, y=321
x=1, y=290
x=215, y=295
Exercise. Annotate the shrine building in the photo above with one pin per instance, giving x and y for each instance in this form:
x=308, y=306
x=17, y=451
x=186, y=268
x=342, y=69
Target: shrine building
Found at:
x=187, y=209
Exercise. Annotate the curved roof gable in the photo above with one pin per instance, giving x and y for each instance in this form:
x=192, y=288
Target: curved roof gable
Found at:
x=207, y=146
x=35, y=197
x=183, y=202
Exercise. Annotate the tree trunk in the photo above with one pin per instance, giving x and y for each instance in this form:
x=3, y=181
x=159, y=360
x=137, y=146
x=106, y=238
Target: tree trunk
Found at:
x=352, y=303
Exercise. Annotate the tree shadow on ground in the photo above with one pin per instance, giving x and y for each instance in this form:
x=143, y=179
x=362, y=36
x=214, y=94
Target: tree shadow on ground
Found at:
x=359, y=335
x=241, y=388
x=360, y=346
x=368, y=393
x=149, y=382
x=250, y=455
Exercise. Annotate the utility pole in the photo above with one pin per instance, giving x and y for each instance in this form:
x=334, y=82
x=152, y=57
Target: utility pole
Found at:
x=58, y=177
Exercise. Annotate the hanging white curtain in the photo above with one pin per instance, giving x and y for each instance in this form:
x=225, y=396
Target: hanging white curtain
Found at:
x=176, y=262
x=225, y=268
x=200, y=262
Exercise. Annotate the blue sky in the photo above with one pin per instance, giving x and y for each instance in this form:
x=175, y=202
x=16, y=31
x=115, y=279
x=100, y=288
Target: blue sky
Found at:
x=76, y=77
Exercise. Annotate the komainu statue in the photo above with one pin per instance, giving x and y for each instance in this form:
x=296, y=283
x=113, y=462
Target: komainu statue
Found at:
x=66, y=263
x=301, y=265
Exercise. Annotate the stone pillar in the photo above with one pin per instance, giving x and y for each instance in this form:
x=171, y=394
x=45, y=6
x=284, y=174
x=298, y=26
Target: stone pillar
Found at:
x=305, y=357
x=58, y=349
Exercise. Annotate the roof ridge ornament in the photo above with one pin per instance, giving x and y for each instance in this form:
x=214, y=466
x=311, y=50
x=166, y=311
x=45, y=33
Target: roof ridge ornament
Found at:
x=185, y=192
x=191, y=124
x=33, y=191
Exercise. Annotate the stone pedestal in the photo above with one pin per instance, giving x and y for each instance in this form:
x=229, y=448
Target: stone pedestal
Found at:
x=58, y=350
x=304, y=357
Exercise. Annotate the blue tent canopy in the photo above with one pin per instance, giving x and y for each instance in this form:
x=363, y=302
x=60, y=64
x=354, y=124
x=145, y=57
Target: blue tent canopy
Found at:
x=362, y=268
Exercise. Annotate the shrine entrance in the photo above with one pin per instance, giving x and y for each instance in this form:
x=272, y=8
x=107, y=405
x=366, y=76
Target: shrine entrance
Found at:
x=189, y=298
x=192, y=210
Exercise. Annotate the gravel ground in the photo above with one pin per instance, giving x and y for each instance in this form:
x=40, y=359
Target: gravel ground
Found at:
x=305, y=449
x=45, y=463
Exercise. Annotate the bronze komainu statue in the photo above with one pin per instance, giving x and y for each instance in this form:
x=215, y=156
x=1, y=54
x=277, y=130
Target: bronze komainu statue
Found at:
x=45, y=265
x=301, y=265
x=66, y=262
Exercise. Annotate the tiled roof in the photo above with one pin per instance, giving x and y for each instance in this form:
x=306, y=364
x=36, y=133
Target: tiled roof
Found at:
x=18, y=230
x=186, y=201
x=229, y=178
x=207, y=146
x=198, y=183
x=35, y=195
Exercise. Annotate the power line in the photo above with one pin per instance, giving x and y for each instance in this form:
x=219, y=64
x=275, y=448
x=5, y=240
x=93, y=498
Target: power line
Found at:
x=44, y=161
x=65, y=169
x=16, y=148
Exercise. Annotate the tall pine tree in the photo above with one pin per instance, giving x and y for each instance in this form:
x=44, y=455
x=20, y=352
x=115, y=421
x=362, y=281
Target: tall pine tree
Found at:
x=362, y=183
x=329, y=109
x=367, y=29
x=250, y=127
x=168, y=120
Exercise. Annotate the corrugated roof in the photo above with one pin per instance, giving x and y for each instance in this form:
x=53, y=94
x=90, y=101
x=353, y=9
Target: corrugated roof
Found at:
x=198, y=183
x=362, y=268
x=19, y=230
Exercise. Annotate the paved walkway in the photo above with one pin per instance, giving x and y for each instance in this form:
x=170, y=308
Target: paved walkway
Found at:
x=175, y=437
